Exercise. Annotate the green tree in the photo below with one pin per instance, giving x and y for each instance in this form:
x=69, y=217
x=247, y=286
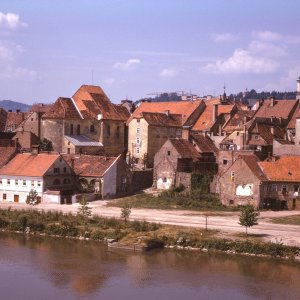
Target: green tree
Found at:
x=125, y=212
x=248, y=217
x=46, y=145
x=84, y=211
x=33, y=198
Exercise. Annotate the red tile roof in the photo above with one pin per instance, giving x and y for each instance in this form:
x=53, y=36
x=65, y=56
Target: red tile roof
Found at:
x=62, y=108
x=281, y=109
x=265, y=132
x=162, y=119
x=253, y=162
x=185, y=148
x=40, y=107
x=185, y=108
x=296, y=114
x=92, y=101
x=14, y=119
x=27, y=164
x=89, y=165
x=204, y=143
x=205, y=121
x=7, y=153
x=286, y=169
x=237, y=120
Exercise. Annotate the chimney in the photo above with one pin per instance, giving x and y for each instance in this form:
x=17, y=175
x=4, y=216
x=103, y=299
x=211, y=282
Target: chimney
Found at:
x=272, y=130
x=35, y=149
x=215, y=112
x=18, y=110
x=167, y=112
x=272, y=101
x=10, y=110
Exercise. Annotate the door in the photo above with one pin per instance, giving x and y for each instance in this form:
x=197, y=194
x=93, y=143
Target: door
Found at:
x=16, y=198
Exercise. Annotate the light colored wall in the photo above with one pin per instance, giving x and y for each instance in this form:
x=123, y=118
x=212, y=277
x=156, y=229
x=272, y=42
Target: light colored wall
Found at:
x=109, y=186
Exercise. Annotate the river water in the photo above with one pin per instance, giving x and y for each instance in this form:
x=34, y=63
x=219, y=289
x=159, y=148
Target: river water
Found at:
x=48, y=268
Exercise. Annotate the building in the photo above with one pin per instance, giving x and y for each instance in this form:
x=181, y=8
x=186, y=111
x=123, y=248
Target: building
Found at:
x=152, y=123
x=100, y=176
x=48, y=174
x=87, y=116
x=270, y=184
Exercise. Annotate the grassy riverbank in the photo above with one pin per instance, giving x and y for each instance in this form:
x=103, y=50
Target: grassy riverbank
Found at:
x=172, y=199
x=137, y=233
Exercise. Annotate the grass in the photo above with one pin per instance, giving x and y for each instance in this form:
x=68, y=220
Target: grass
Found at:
x=194, y=200
x=291, y=220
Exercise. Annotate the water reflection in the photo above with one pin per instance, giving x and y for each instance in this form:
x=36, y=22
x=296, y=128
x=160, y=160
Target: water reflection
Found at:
x=73, y=269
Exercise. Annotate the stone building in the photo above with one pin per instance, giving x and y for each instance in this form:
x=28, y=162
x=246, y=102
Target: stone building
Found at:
x=270, y=184
x=90, y=116
x=178, y=158
x=152, y=123
x=48, y=174
x=101, y=176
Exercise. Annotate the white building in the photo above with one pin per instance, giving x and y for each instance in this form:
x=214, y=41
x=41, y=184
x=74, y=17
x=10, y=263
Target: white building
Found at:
x=48, y=174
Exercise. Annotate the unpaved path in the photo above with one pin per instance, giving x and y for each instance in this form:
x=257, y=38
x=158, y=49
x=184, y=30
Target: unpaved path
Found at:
x=226, y=222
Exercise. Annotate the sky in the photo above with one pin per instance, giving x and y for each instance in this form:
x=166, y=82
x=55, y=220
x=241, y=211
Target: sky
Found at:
x=135, y=48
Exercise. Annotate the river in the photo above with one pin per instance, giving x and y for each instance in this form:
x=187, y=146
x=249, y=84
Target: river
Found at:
x=52, y=268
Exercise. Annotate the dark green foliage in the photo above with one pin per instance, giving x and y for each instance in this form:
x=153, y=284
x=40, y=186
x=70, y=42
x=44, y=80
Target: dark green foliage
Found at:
x=33, y=198
x=248, y=216
x=200, y=181
x=125, y=212
x=46, y=145
x=84, y=211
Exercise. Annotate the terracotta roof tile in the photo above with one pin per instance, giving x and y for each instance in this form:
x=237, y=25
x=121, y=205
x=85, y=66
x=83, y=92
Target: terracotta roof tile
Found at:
x=3, y=118
x=40, y=107
x=281, y=109
x=62, y=108
x=237, y=120
x=27, y=164
x=204, y=143
x=185, y=108
x=286, y=168
x=7, y=153
x=265, y=132
x=253, y=162
x=92, y=101
x=205, y=121
x=185, y=148
x=89, y=165
x=162, y=119
x=14, y=119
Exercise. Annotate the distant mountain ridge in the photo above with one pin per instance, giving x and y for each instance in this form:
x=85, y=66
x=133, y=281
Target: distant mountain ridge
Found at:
x=13, y=105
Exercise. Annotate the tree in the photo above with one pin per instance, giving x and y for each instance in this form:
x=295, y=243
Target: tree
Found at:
x=33, y=198
x=84, y=210
x=46, y=145
x=125, y=212
x=248, y=217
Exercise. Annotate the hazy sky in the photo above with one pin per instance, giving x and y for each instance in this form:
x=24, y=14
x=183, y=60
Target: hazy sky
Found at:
x=48, y=48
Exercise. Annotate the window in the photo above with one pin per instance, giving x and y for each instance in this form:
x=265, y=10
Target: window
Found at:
x=225, y=162
x=56, y=170
x=69, y=143
x=0, y=180
x=231, y=202
x=4, y=196
x=138, y=140
x=124, y=180
x=8, y=181
x=165, y=179
x=92, y=128
x=232, y=175
x=78, y=129
x=274, y=188
x=118, y=132
x=69, y=150
x=80, y=150
x=178, y=133
x=296, y=188
x=71, y=129
x=138, y=120
x=168, y=153
x=138, y=130
x=38, y=183
x=32, y=182
x=16, y=182
x=238, y=133
x=24, y=182
x=65, y=169
x=265, y=188
x=284, y=189
x=137, y=150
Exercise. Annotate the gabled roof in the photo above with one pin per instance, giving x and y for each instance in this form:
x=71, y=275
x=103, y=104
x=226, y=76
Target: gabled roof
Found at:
x=89, y=165
x=265, y=132
x=185, y=148
x=31, y=165
x=253, y=162
x=82, y=140
x=280, y=109
x=14, y=119
x=286, y=168
x=237, y=120
x=62, y=108
x=205, y=121
x=184, y=108
x=204, y=143
x=91, y=101
x=162, y=119
x=7, y=153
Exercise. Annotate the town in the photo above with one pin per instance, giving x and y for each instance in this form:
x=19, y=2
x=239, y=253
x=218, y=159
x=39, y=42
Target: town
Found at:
x=86, y=145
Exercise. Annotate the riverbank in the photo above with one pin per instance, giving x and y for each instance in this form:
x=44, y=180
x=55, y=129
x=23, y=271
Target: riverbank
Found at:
x=139, y=234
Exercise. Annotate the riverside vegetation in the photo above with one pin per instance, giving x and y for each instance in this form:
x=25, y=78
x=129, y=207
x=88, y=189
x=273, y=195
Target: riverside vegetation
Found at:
x=97, y=228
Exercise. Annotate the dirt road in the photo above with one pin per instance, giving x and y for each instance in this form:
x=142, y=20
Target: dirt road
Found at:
x=225, y=222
